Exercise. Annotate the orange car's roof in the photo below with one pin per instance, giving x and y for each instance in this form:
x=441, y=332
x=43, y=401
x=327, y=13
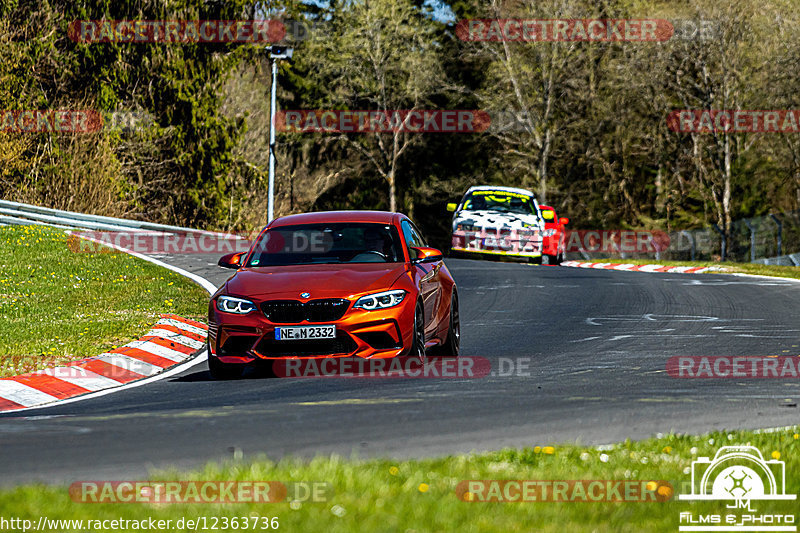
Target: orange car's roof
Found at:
x=382, y=217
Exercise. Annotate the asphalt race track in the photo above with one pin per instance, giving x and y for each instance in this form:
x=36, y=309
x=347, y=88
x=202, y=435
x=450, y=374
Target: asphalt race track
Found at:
x=597, y=340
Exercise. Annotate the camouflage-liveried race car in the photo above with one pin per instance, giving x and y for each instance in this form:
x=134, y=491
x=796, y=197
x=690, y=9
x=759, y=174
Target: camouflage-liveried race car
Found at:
x=498, y=221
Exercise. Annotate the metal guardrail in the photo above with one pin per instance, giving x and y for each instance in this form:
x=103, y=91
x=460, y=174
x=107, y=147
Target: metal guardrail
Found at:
x=17, y=213
x=22, y=217
x=6, y=220
x=785, y=260
x=773, y=239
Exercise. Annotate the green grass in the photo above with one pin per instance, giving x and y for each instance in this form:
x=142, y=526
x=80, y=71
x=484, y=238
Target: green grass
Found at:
x=57, y=305
x=742, y=268
x=419, y=496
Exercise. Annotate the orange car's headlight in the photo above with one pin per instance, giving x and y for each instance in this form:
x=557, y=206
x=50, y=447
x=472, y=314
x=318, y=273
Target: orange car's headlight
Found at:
x=380, y=300
x=236, y=306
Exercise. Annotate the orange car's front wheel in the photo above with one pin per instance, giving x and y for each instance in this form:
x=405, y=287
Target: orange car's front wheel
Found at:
x=417, y=348
x=452, y=345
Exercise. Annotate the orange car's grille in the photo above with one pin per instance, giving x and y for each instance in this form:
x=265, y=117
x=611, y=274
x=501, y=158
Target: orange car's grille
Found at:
x=341, y=345
x=294, y=312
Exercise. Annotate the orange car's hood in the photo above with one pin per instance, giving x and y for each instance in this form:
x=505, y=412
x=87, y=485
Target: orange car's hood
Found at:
x=320, y=281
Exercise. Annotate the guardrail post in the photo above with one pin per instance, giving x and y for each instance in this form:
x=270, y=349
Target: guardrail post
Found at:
x=655, y=247
x=780, y=233
x=752, y=240
x=723, y=242
x=616, y=247
x=692, y=241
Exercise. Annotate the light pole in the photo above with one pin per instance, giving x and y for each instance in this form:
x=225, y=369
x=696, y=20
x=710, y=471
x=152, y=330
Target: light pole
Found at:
x=275, y=53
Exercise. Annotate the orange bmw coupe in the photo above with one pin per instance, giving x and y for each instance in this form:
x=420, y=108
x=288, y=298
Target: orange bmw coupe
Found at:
x=333, y=284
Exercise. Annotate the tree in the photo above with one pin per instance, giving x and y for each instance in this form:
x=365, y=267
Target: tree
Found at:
x=717, y=74
x=377, y=55
x=531, y=80
x=176, y=169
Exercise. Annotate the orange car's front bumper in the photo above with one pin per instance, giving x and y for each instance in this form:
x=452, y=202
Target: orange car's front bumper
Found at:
x=247, y=338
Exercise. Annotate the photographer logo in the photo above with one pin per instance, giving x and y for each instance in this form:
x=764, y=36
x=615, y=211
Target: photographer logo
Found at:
x=739, y=476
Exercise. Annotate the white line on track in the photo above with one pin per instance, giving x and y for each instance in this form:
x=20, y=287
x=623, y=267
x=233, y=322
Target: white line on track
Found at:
x=203, y=282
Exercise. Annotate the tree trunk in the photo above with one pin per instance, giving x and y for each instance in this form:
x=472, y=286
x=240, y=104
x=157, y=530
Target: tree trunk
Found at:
x=660, y=203
x=392, y=192
x=726, y=190
x=544, y=155
x=797, y=193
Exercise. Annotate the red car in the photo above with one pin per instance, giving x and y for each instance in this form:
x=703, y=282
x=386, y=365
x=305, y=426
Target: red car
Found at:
x=333, y=284
x=555, y=236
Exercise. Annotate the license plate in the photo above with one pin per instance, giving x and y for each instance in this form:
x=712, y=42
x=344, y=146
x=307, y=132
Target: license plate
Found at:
x=300, y=333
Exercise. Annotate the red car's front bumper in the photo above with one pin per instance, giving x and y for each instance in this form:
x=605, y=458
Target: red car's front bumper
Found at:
x=550, y=245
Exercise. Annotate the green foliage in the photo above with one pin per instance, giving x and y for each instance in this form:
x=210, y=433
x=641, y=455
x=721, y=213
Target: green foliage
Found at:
x=181, y=164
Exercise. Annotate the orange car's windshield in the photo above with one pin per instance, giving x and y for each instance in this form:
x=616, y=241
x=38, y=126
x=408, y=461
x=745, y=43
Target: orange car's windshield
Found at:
x=328, y=243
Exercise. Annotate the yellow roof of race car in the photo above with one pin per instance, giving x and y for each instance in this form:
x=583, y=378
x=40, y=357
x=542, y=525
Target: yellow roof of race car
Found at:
x=498, y=189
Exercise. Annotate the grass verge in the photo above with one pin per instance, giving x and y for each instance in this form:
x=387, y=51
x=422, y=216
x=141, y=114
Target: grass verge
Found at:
x=420, y=495
x=57, y=305
x=728, y=268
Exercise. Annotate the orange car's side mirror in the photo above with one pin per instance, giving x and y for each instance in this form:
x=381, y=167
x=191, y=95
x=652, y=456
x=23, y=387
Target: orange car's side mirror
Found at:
x=426, y=255
x=231, y=260
x=564, y=220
